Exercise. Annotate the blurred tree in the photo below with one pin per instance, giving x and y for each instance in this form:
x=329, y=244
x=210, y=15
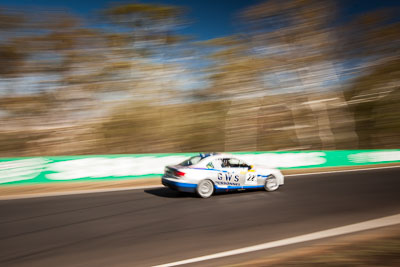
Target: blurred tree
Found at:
x=149, y=31
x=236, y=71
x=11, y=58
x=70, y=87
x=75, y=67
x=371, y=41
x=375, y=99
x=296, y=46
x=295, y=39
x=285, y=46
x=147, y=22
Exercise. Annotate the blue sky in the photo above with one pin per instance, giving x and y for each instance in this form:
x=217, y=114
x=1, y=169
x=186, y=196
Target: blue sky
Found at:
x=209, y=18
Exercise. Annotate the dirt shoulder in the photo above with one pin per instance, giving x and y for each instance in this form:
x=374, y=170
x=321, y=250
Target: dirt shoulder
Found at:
x=379, y=247
x=9, y=191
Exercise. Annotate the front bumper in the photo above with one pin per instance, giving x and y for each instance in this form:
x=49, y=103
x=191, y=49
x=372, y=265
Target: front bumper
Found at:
x=179, y=185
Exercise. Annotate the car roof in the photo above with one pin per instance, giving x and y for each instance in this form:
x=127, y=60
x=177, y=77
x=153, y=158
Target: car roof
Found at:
x=214, y=155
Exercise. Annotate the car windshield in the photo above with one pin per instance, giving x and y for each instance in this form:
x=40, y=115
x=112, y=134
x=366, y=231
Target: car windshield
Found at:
x=191, y=161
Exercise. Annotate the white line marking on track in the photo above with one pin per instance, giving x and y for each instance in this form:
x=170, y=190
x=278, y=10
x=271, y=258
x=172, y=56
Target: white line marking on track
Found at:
x=91, y=191
x=357, y=227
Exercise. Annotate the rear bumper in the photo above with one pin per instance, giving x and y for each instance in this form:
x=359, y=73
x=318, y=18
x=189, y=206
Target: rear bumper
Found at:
x=179, y=185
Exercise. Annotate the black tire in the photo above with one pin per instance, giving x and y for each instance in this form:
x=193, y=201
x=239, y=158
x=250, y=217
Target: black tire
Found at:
x=205, y=188
x=271, y=183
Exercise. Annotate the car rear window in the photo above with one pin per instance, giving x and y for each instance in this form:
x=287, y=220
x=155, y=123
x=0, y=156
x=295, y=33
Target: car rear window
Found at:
x=191, y=161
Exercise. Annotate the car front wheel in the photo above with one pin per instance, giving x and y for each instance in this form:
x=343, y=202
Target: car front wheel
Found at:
x=271, y=183
x=205, y=189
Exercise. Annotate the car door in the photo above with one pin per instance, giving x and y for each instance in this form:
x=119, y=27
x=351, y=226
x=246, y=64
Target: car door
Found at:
x=250, y=175
x=227, y=175
x=242, y=169
x=235, y=172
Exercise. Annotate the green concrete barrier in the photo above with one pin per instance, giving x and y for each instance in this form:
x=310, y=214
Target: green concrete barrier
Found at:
x=39, y=170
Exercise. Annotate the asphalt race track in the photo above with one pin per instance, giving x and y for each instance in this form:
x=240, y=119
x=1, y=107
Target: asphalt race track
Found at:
x=156, y=226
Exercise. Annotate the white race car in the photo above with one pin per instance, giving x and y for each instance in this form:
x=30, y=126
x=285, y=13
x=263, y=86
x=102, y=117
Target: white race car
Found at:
x=207, y=173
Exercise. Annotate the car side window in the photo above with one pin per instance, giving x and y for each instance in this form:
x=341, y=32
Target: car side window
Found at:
x=225, y=163
x=243, y=164
x=234, y=163
x=231, y=163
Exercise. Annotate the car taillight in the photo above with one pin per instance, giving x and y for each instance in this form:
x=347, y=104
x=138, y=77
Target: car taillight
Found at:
x=178, y=173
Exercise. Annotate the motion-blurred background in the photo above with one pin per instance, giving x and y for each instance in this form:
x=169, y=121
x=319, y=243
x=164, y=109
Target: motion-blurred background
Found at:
x=102, y=77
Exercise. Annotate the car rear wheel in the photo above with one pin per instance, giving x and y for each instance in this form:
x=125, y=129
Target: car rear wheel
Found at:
x=205, y=189
x=271, y=183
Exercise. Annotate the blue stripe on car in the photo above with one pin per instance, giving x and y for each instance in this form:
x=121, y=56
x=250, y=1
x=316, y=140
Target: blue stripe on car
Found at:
x=181, y=184
x=184, y=187
x=239, y=187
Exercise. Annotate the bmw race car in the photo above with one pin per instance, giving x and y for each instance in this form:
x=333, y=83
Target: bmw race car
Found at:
x=205, y=174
